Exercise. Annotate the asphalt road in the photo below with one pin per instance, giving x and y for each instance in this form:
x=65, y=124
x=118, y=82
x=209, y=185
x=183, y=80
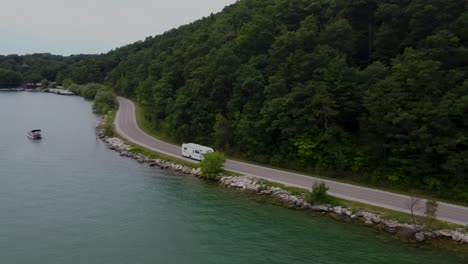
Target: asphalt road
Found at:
x=126, y=126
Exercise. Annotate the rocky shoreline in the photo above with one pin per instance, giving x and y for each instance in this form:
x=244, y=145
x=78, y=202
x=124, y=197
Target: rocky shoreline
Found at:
x=348, y=214
x=254, y=185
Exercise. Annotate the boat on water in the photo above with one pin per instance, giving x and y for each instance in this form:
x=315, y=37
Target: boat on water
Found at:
x=35, y=134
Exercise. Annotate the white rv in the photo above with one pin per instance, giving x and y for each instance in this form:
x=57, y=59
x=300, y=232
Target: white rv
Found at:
x=195, y=151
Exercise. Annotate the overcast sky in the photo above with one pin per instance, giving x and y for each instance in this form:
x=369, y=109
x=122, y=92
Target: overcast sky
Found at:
x=92, y=26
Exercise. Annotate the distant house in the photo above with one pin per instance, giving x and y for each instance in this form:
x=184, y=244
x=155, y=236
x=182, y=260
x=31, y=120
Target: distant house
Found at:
x=30, y=85
x=25, y=67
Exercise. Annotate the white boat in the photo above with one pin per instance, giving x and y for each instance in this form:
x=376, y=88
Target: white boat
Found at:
x=35, y=134
x=59, y=91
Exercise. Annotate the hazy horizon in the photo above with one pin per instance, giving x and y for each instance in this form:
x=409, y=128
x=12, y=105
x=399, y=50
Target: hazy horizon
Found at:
x=65, y=27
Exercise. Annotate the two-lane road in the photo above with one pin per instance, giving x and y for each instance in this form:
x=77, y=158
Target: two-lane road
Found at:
x=126, y=126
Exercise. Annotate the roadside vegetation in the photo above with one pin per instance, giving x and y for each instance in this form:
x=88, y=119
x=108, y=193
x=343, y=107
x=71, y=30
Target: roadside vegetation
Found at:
x=108, y=124
x=151, y=128
x=87, y=91
x=104, y=98
x=212, y=165
x=319, y=195
x=431, y=213
x=292, y=190
x=104, y=101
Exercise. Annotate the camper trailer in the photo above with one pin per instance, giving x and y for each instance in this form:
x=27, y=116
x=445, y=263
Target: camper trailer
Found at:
x=195, y=151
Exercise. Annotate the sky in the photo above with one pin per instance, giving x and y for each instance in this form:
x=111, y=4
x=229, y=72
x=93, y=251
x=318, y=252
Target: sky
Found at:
x=67, y=27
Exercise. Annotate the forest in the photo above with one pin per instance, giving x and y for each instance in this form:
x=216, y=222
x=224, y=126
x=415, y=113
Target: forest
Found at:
x=372, y=91
x=33, y=68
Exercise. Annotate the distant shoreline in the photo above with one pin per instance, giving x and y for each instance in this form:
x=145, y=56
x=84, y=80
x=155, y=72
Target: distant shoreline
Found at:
x=37, y=90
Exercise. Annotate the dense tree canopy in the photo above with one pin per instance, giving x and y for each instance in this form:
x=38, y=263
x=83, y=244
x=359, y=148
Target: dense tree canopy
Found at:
x=37, y=67
x=375, y=90
x=9, y=78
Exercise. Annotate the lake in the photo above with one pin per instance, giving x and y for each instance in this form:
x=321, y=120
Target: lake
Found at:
x=68, y=199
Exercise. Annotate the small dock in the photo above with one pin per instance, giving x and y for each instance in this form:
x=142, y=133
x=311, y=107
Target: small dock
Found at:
x=58, y=91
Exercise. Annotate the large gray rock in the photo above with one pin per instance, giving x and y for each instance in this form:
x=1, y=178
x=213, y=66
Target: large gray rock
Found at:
x=420, y=237
x=266, y=191
x=430, y=235
x=376, y=220
x=319, y=208
x=360, y=214
x=338, y=210
x=300, y=202
x=293, y=199
x=344, y=211
x=455, y=235
x=390, y=226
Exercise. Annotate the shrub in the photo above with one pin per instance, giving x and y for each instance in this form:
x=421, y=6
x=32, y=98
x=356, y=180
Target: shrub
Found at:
x=108, y=125
x=431, y=212
x=75, y=88
x=45, y=83
x=212, y=165
x=431, y=208
x=104, y=101
x=89, y=91
x=67, y=82
x=319, y=195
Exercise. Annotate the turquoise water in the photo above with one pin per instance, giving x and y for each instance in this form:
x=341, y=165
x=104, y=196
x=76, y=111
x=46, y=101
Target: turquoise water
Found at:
x=68, y=199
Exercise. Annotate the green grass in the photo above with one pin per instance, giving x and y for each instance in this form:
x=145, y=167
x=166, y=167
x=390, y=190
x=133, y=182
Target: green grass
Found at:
x=400, y=217
x=292, y=190
x=231, y=173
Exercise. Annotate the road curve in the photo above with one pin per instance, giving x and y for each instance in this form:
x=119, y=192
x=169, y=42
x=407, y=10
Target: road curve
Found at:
x=126, y=126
